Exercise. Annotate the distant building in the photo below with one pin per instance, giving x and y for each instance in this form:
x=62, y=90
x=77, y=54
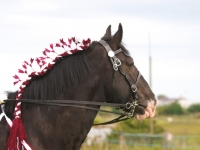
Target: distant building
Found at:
x=184, y=102
x=163, y=100
x=98, y=135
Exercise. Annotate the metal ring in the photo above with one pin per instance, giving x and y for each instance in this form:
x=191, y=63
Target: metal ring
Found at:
x=117, y=62
x=134, y=88
x=129, y=105
x=135, y=103
x=115, y=67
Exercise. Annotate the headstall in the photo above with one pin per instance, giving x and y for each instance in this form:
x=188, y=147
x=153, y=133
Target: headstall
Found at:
x=117, y=66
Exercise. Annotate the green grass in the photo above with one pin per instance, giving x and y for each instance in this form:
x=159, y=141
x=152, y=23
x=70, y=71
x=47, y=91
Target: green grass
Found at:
x=126, y=147
x=119, y=147
x=181, y=125
x=185, y=130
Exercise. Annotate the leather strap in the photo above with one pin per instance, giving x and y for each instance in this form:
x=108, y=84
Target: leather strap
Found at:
x=73, y=103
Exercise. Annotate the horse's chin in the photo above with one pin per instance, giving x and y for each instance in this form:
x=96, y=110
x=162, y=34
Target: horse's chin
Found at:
x=149, y=111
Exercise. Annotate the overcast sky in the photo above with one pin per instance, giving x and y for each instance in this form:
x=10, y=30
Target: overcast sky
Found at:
x=170, y=27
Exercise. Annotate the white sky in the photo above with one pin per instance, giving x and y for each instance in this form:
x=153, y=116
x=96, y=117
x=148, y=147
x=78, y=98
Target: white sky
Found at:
x=27, y=27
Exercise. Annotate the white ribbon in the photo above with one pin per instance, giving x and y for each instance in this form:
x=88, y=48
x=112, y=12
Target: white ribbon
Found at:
x=1, y=116
x=26, y=146
x=4, y=115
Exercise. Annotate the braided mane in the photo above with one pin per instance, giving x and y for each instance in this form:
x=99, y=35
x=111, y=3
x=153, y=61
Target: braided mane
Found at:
x=49, y=60
x=46, y=84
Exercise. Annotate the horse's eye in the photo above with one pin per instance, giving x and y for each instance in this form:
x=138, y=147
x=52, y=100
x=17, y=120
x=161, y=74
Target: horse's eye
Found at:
x=132, y=64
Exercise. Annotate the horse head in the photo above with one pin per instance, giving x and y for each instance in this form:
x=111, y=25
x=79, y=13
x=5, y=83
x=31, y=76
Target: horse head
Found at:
x=124, y=82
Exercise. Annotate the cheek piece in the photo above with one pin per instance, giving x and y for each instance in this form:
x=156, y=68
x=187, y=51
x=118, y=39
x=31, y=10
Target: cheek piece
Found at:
x=130, y=106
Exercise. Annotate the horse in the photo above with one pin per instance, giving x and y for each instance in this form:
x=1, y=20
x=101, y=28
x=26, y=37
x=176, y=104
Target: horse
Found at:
x=105, y=72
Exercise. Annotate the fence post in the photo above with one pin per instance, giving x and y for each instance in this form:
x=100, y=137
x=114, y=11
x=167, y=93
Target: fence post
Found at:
x=184, y=146
x=122, y=141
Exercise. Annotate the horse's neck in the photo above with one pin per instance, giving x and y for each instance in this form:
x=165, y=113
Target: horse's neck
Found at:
x=49, y=125
x=69, y=124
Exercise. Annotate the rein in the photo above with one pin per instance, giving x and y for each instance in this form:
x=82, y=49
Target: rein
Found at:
x=73, y=103
x=77, y=104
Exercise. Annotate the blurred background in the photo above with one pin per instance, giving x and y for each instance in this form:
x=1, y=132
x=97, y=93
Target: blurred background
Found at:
x=163, y=33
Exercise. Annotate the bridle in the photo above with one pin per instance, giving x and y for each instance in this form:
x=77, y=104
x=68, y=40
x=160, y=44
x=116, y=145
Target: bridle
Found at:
x=128, y=108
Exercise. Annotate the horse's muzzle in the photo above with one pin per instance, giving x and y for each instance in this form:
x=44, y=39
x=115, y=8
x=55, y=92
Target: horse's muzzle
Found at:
x=149, y=111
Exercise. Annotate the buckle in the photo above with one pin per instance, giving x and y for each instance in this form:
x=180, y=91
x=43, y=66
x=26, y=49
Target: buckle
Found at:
x=134, y=88
x=130, y=114
x=117, y=62
x=115, y=67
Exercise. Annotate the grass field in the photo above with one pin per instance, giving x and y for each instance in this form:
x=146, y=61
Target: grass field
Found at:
x=117, y=147
x=180, y=125
x=185, y=130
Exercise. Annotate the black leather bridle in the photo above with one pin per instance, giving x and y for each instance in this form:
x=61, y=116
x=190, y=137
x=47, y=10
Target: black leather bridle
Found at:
x=128, y=108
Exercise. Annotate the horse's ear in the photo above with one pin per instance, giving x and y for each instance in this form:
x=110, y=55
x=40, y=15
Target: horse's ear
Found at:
x=117, y=37
x=107, y=34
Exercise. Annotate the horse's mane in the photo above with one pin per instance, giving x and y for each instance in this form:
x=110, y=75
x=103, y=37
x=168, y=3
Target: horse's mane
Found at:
x=65, y=75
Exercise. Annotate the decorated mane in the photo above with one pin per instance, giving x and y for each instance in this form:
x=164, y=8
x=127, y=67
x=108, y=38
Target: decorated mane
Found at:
x=38, y=67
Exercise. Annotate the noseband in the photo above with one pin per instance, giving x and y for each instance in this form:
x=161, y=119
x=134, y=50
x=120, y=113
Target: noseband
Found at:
x=117, y=67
